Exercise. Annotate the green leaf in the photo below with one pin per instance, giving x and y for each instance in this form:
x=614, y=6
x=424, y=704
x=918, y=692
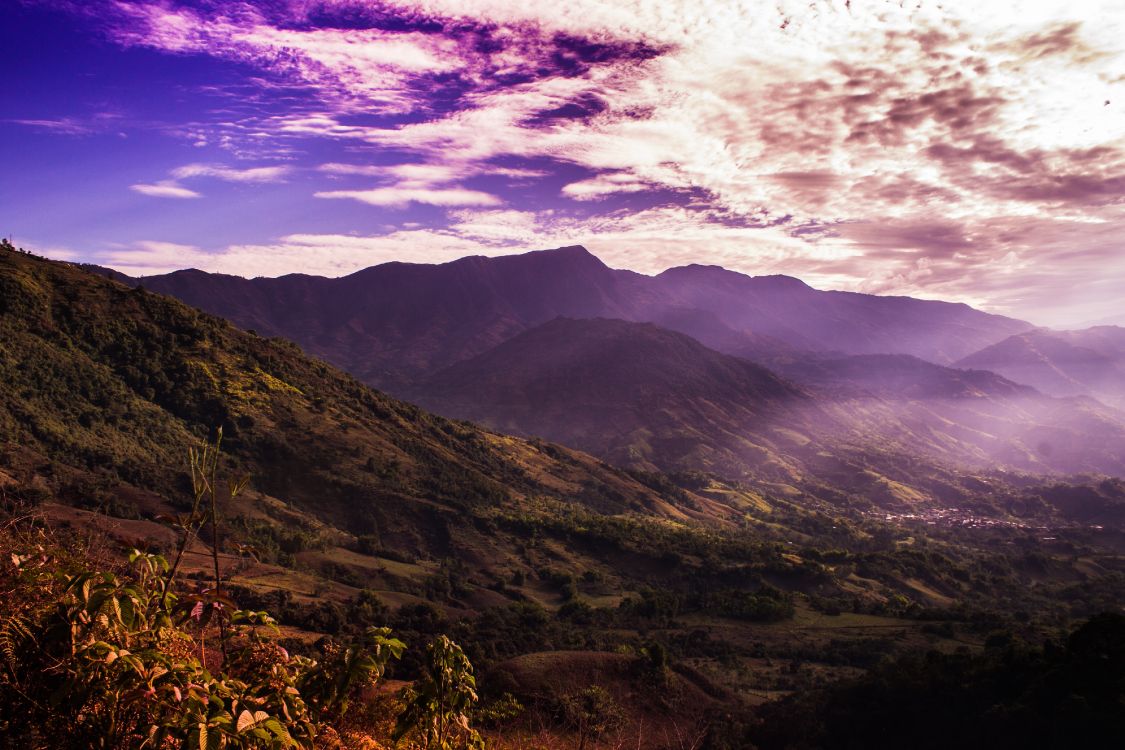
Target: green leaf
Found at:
x=125, y=611
x=247, y=720
x=96, y=600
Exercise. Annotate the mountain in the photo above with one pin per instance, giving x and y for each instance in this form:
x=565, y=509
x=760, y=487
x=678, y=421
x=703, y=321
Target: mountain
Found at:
x=805, y=318
x=104, y=388
x=968, y=417
x=1063, y=363
x=120, y=381
x=641, y=396
x=633, y=393
x=393, y=324
x=551, y=569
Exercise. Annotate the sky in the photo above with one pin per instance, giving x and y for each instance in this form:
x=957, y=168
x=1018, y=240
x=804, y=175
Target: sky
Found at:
x=964, y=150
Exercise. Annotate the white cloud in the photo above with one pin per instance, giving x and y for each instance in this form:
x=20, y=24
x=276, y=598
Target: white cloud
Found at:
x=603, y=185
x=369, y=170
x=164, y=189
x=399, y=196
x=231, y=174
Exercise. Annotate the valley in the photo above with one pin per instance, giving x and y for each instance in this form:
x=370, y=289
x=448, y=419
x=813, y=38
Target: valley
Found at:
x=768, y=534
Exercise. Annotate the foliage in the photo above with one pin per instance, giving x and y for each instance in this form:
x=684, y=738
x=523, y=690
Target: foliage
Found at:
x=120, y=661
x=590, y=713
x=1010, y=696
x=440, y=704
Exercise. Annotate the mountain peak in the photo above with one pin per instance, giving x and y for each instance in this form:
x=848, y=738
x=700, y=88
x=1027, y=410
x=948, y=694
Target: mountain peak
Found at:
x=567, y=253
x=699, y=271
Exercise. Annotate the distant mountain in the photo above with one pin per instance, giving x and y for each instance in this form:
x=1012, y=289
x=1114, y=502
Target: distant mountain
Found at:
x=1063, y=363
x=645, y=397
x=633, y=393
x=392, y=323
x=897, y=376
x=966, y=416
x=396, y=323
x=805, y=318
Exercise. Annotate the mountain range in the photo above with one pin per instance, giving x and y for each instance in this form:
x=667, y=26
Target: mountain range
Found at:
x=645, y=397
x=393, y=323
x=696, y=368
x=99, y=377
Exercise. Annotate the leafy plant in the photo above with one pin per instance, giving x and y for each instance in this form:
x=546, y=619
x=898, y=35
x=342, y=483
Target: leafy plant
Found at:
x=204, y=464
x=119, y=661
x=439, y=705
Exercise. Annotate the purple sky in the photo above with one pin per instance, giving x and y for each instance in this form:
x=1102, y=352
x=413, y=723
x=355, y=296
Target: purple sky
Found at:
x=964, y=150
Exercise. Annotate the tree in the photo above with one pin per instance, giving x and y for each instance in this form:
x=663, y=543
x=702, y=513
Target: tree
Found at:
x=591, y=713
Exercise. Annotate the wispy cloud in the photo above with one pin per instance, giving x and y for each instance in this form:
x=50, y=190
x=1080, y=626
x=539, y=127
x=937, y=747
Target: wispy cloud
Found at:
x=231, y=174
x=400, y=196
x=603, y=185
x=164, y=189
x=62, y=125
x=431, y=184
x=174, y=189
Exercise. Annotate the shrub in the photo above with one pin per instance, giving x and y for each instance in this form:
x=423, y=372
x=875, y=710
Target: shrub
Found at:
x=121, y=661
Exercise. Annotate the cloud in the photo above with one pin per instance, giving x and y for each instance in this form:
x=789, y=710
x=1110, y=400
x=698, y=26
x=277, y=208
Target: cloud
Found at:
x=164, y=189
x=230, y=174
x=432, y=184
x=87, y=124
x=369, y=170
x=397, y=197
x=173, y=189
x=603, y=185
x=62, y=125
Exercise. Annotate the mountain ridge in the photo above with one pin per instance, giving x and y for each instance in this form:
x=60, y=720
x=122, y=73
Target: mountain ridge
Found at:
x=374, y=323
x=99, y=375
x=1086, y=362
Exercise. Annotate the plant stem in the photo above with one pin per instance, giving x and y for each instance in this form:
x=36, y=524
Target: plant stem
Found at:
x=215, y=543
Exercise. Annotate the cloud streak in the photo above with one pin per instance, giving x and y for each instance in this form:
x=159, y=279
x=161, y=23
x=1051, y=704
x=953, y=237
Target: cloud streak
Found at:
x=230, y=174
x=164, y=189
x=400, y=196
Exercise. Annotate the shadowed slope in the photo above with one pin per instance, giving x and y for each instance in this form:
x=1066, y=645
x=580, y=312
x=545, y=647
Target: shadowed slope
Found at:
x=632, y=392
x=100, y=376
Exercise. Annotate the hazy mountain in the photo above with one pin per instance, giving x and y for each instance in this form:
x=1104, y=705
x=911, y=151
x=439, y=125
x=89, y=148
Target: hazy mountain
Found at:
x=1063, y=363
x=965, y=416
x=642, y=396
x=788, y=309
x=395, y=323
x=633, y=393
